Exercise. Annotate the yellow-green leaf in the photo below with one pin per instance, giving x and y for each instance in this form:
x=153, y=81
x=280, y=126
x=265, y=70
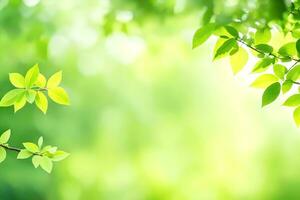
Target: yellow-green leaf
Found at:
x=2, y=154
x=23, y=154
x=17, y=80
x=46, y=164
x=271, y=94
x=293, y=100
x=264, y=81
x=5, y=137
x=41, y=102
x=297, y=116
x=239, y=60
x=11, y=97
x=31, y=147
x=54, y=80
x=30, y=95
x=20, y=103
x=32, y=76
x=41, y=81
x=36, y=160
x=59, y=95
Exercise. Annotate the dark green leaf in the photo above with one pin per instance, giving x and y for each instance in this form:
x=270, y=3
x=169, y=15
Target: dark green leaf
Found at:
x=271, y=94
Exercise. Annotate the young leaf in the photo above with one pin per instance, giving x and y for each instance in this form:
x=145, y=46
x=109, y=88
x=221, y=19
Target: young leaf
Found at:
x=294, y=73
x=40, y=142
x=30, y=95
x=11, y=97
x=2, y=154
x=54, y=80
x=298, y=46
x=264, y=81
x=297, y=116
x=265, y=48
x=288, y=49
x=41, y=81
x=279, y=71
x=41, y=102
x=293, y=100
x=17, y=80
x=46, y=164
x=263, y=64
x=232, y=31
x=286, y=86
x=262, y=36
x=23, y=154
x=31, y=147
x=59, y=95
x=32, y=76
x=59, y=155
x=202, y=34
x=5, y=137
x=36, y=161
x=226, y=47
x=271, y=94
x=239, y=60
x=20, y=103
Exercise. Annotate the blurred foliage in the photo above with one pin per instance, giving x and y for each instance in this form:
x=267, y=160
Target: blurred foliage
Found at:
x=149, y=117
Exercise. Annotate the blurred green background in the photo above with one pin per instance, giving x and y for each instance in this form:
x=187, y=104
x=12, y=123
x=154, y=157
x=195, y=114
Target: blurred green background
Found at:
x=150, y=118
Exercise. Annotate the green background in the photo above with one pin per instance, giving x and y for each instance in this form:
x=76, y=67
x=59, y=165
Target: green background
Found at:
x=150, y=118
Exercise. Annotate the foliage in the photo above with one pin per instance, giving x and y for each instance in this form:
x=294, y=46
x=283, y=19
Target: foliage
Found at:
x=235, y=35
x=31, y=89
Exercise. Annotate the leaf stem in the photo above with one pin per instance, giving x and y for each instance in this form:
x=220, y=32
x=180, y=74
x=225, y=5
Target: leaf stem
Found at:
x=7, y=147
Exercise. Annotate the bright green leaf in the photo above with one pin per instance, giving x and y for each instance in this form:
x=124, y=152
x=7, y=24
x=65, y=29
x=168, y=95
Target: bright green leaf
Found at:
x=264, y=81
x=297, y=116
x=232, y=31
x=30, y=95
x=36, y=160
x=11, y=97
x=279, y=71
x=59, y=155
x=40, y=142
x=46, y=164
x=17, y=80
x=226, y=47
x=20, y=103
x=286, y=86
x=271, y=94
x=31, y=147
x=59, y=95
x=262, y=36
x=265, y=48
x=2, y=154
x=202, y=34
x=5, y=137
x=54, y=80
x=293, y=100
x=23, y=154
x=294, y=73
x=239, y=60
x=263, y=64
x=32, y=76
x=41, y=81
x=41, y=102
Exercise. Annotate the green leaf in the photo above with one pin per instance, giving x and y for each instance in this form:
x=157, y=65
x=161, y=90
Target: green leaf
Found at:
x=54, y=80
x=239, y=60
x=36, y=161
x=30, y=95
x=263, y=65
x=2, y=154
x=11, y=97
x=279, y=71
x=202, y=34
x=31, y=147
x=23, y=154
x=20, y=103
x=40, y=142
x=265, y=48
x=264, y=81
x=226, y=47
x=5, y=137
x=286, y=86
x=59, y=155
x=59, y=95
x=232, y=31
x=41, y=102
x=294, y=73
x=271, y=94
x=298, y=46
x=262, y=36
x=17, y=80
x=49, y=149
x=32, y=76
x=46, y=164
x=41, y=81
x=297, y=116
x=288, y=49
x=292, y=101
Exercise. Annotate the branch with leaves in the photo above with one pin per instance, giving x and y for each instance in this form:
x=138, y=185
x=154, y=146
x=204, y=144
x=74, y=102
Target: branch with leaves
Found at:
x=285, y=73
x=29, y=89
